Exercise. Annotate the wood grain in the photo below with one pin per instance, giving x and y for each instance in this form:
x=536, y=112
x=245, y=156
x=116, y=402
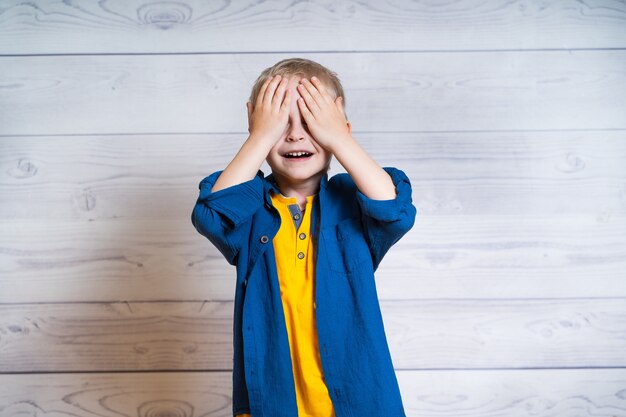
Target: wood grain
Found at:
x=500, y=215
x=422, y=334
x=506, y=299
x=391, y=92
x=192, y=26
x=428, y=393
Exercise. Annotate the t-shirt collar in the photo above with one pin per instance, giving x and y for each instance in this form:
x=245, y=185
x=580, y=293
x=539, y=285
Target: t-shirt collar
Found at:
x=270, y=184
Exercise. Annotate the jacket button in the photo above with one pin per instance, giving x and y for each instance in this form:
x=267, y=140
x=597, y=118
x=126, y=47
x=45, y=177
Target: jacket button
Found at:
x=245, y=282
x=302, y=236
x=300, y=255
x=264, y=239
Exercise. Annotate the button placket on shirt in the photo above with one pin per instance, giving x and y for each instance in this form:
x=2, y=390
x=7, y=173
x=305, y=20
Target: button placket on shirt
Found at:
x=301, y=244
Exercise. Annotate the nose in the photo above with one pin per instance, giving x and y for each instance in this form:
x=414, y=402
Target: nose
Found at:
x=295, y=138
x=295, y=133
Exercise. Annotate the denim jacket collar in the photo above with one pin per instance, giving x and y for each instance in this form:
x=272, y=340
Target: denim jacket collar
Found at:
x=316, y=220
x=270, y=184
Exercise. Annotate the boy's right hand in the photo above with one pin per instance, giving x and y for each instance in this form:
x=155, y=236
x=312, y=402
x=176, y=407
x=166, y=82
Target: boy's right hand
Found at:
x=269, y=116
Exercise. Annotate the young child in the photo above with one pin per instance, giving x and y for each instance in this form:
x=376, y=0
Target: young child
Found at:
x=309, y=339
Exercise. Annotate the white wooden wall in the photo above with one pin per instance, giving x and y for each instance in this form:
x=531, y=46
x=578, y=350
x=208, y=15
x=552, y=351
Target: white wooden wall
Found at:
x=506, y=299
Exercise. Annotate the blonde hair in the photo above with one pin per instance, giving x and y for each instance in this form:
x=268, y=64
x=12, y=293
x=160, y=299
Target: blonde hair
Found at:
x=304, y=68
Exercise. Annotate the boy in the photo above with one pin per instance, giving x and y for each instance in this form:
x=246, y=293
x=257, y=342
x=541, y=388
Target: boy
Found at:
x=308, y=334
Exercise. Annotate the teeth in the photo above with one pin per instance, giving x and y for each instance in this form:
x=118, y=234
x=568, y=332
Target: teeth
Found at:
x=297, y=153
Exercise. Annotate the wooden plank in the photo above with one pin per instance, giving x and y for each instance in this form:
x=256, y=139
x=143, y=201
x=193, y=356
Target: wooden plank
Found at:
x=431, y=393
x=135, y=177
x=514, y=393
x=449, y=257
x=45, y=27
x=182, y=394
x=400, y=92
x=422, y=334
x=107, y=218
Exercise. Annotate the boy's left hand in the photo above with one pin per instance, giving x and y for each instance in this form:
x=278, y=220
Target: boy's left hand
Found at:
x=325, y=118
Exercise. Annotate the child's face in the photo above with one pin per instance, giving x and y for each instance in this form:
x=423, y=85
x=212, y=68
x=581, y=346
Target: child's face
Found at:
x=297, y=137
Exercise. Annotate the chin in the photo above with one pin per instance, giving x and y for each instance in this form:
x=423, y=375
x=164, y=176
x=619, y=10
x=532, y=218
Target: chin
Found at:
x=298, y=174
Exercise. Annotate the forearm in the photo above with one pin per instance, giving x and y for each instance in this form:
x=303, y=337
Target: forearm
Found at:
x=368, y=176
x=245, y=164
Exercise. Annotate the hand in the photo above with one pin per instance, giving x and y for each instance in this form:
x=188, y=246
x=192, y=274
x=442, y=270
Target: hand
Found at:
x=269, y=116
x=325, y=118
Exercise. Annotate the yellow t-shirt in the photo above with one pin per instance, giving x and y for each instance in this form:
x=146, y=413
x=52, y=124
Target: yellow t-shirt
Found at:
x=295, y=262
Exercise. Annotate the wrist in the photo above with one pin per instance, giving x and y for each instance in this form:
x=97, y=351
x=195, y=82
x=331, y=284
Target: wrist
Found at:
x=261, y=145
x=260, y=138
x=339, y=142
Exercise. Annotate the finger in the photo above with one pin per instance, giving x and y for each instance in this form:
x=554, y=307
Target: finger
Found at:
x=249, y=107
x=306, y=113
x=315, y=93
x=322, y=90
x=280, y=93
x=308, y=98
x=271, y=88
x=339, y=104
x=286, y=102
x=259, y=97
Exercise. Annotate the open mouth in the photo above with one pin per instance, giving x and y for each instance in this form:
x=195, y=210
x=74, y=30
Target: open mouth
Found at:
x=297, y=156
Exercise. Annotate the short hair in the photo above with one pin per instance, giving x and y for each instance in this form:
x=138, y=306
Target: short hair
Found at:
x=304, y=68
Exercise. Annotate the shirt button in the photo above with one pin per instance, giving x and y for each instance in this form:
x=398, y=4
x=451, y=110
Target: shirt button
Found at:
x=314, y=305
x=296, y=216
x=264, y=239
x=302, y=236
x=300, y=255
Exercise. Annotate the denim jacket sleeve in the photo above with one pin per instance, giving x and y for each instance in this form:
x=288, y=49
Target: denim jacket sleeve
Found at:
x=386, y=221
x=220, y=216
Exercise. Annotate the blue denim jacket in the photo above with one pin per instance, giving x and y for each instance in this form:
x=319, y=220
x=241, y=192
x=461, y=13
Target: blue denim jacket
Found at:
x=352, y=234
